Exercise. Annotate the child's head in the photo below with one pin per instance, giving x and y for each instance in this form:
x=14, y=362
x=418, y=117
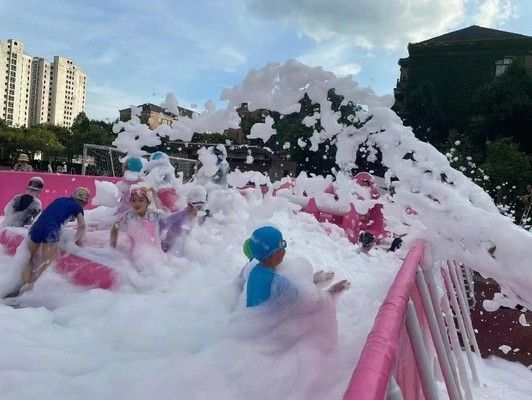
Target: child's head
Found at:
x=196, y=199
x=82, y=195
x=35, y=186
x=140, y=200
x=268, y=246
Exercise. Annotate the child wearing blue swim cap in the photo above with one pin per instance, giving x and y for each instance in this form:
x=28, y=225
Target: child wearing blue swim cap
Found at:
x=268, y=246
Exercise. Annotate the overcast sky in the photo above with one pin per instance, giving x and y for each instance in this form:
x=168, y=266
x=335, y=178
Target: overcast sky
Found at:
x=137, y=51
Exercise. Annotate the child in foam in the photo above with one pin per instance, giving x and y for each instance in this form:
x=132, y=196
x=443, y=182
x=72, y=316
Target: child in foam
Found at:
x=132, y=169
x=264, y=282
x=140, y=223
x=173, y=226
x=220, y=177
x=46, y=232
x=161, y=177
x=23, y=208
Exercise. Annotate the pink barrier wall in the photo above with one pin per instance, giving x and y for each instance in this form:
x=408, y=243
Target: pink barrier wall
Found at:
x=387, y=351
x=55, y=185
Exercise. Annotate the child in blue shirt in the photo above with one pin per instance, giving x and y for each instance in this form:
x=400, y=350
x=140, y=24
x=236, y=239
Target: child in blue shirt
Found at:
x=45, y=233
x=269, y=248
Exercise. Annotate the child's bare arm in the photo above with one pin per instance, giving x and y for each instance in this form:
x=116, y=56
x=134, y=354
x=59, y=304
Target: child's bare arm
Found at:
x=81, y=228
x=114, y=237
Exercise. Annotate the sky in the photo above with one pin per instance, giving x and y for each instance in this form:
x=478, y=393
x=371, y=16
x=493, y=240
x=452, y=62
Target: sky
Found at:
x=137, y=51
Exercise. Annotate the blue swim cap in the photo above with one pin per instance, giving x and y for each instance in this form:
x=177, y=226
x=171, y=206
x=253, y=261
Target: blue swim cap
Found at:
x=157, y=155
x=134, y=164
x=265, y=241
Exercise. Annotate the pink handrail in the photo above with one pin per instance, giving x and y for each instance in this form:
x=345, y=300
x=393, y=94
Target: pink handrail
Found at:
x=372, y=374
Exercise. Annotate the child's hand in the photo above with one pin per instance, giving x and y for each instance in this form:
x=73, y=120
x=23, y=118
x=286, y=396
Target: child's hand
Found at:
x=339, y=287
x=322, y=276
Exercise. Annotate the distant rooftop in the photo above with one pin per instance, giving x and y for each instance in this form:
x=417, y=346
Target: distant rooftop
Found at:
x=158, y=109
x=474, y=32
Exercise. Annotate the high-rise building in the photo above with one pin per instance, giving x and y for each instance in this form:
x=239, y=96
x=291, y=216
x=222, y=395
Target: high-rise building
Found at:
x=38, y=91
x=67, y=92
x=15, y=75
x=41, y=77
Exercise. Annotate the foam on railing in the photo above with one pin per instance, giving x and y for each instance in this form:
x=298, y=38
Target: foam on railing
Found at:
x=55, y=185
x=372, y=374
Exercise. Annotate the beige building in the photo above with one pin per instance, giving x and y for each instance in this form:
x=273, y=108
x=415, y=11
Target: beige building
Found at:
x=15, y=82
x=39, y=91
x=67, y=92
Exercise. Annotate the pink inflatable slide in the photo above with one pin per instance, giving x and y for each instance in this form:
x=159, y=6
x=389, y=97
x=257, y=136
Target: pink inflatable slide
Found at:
x=79, y=271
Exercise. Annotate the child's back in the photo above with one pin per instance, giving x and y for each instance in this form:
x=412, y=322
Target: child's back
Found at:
x=21, y=210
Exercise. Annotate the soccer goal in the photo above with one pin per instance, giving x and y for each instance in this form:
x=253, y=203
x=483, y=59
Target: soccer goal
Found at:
x=105, y=161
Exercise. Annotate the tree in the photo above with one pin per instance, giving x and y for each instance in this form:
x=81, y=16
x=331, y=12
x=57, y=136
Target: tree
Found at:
x=504, y=106
x=424, y=113
x=509, y=170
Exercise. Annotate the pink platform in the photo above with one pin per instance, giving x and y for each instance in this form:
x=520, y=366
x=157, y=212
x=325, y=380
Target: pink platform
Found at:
x=55, y=185
x=79, y=270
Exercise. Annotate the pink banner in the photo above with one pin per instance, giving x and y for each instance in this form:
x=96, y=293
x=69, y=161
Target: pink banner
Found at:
x=55, y=185
x=387, y=351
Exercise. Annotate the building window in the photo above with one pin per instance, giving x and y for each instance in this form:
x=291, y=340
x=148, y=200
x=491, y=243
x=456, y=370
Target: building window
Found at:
x=502, y=65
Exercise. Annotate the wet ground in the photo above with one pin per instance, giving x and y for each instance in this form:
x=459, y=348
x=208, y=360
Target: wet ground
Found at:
x=501, y=327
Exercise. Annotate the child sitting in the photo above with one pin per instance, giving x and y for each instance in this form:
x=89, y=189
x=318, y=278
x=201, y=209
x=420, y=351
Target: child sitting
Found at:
x=269, y=248
x=174, y=224
x=23, y=208
x=140, y=223
x=46, y=231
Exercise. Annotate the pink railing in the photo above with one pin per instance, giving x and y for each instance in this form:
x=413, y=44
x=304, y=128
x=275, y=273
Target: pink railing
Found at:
x=414, y=323
x=377, y=361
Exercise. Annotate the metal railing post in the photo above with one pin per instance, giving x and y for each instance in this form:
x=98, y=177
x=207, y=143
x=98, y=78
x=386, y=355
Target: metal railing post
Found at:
x=460, y=319
x=420, y=354
x=443, y=353
x=112, y=163
x=84, y=160
x=456, y=348
x=394, y=391
x=459, y=283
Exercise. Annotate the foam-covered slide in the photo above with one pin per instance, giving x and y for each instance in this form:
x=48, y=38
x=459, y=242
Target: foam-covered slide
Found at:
x=78, y=270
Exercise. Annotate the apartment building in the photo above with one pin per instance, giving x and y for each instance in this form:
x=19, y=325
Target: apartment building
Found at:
x=38, y=91
x=15, y=83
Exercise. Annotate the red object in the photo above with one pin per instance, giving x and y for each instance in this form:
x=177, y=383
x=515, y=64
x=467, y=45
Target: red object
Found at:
x=79, y=270
x=312, y=208
x=55, y=185
x=10, y=242
x=168, y=198
x=86, y=273
x=351, y=225
x=387, y=350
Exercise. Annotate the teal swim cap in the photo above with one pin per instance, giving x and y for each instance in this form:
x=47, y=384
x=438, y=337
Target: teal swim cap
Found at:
x=265, y=241
x=134, y=164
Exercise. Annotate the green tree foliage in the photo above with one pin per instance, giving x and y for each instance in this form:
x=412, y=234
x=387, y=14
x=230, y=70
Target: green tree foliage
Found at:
x=28, y=140
x=504, y=106
x=509, y=169
x=54, y=140
x=424, y=113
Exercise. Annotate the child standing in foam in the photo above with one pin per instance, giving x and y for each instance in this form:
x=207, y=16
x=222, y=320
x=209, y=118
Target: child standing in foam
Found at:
x=264, y=283
x=173, y=226
x=141, y=225
x=132, y=169
x=45, y=233
x=161, y=177
x=23, y=208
